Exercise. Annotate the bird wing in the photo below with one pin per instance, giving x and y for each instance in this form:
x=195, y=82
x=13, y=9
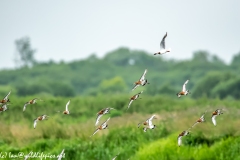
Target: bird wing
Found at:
x=105, y=123
x=194, y=124
x=150, y=121
x=25, y=105
x=184, y=86
x=136, y=85
x=143, y=76
x=162, y=43
x=179, y=140
x=35, y=123
x=67, y=105
x=130, y=102
x=214, y=120
x=98, y=118
x=61, y=155
x=6, y=97
x=95, y=132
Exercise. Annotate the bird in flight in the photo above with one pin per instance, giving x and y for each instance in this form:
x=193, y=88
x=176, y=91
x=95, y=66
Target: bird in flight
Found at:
x=32, y=101
x=200, y=120
x=5, y=99
x=142, y=81
x=136, y=96
x=162, y=46
x=183, y=133
x=40, y=118
x=148, y=123
x=101, y=113
x=104, y=125
x=215, y=114
x=66, y=110
x=184, y=90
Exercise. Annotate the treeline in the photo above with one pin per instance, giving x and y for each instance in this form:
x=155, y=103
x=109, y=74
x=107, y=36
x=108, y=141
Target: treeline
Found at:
x=117, y=70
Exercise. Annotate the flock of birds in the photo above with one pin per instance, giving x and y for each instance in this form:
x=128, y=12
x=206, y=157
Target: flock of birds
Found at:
x=147, y=124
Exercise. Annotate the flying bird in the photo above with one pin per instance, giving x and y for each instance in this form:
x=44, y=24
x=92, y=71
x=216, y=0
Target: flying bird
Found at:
x=148, y=123
x=162, y=46
x=142, y=81
x=66, y=110
x=215, y=114
x=183, y=133
x=5, y=99
x=184, y=91
x=101, y=113
x=32, y=101
x=61, y=155
x=40, y=118
x=104, y=125
x=4, y=107
x=136, y=96
x=200, y=120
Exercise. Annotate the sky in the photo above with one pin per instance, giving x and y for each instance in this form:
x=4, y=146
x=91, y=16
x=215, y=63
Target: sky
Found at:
x=74, y=29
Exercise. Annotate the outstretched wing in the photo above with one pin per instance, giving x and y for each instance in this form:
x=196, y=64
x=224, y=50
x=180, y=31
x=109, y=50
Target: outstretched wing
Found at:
x=6, y=97
x=35, y=123
x=184, y=86
x=130, y=102
x=95, y=132
x=179, y=140
x=194, y=124
x=25, y=105
x=136, y=85
x=98, y=118
x=214, y=120
x=61, y=155
x=67, y=105
x=143, y=76
x=162, y=43
x=150, y=121
x=105, y=123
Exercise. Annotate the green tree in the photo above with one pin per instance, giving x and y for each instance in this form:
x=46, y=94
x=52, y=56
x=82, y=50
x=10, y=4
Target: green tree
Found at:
x=25, y=53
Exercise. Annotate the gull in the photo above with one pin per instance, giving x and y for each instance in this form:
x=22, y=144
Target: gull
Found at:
x=66, y=110
x=162, y=46
x=40, y=118
x=101, y=113
x=61, y=155
x=142, y=81
x=183, y=133
x=215, y=114
x=136, y=96
x=5, y=99
x=4, y=107
x=148, y=123
x=104, y=125
x=184, y=91
x=200, y=120
x=32, y=101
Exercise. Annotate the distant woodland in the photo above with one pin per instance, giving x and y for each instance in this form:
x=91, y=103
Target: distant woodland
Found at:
x=116, y=72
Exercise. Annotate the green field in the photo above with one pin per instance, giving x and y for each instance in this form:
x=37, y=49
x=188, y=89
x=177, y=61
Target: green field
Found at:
x=72, y=132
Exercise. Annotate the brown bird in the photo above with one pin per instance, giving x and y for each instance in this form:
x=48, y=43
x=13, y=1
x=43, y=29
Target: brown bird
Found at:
x=184, y=91
x=4, y=107
x=200, y=120
x=32, y=101
x=101, y=113
x=148, y=123
x=215, y=114
x=183, y=133
x=5, y=99
x=104, y=125
x=142, y=81
x=136, y=96
x=40, y=118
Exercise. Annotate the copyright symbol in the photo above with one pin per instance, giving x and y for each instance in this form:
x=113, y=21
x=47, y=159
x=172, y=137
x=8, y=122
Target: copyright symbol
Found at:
x=20, y=155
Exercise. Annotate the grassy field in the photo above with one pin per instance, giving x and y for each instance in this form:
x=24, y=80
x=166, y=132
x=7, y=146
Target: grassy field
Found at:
x=72, y=132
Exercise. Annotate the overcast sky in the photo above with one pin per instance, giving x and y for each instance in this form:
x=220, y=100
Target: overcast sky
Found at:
x=69, y=30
